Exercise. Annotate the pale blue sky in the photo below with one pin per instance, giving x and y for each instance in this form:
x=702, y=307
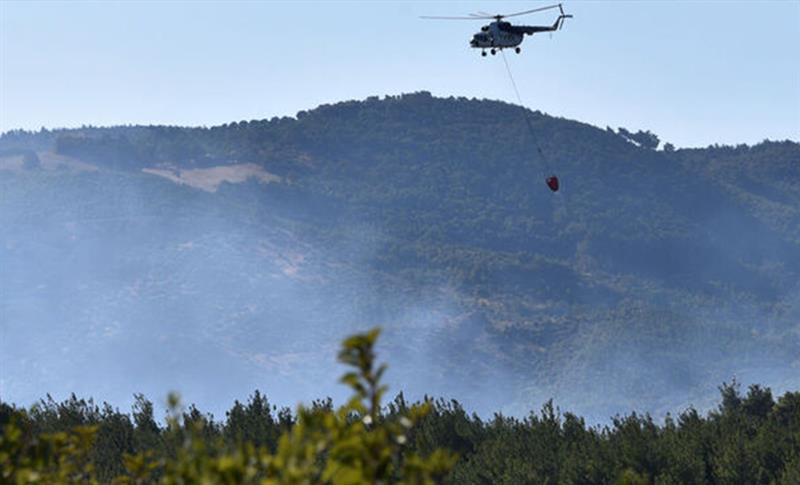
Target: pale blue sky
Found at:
x=694, y=73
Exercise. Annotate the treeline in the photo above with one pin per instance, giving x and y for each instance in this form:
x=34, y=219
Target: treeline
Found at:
x=750, y=438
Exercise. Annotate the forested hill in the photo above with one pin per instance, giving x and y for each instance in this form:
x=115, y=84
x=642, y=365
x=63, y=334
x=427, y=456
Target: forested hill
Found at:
x=653, y=275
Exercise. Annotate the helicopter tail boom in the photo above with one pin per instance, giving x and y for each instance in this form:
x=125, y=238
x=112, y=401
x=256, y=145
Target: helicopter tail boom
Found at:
x=533, y=29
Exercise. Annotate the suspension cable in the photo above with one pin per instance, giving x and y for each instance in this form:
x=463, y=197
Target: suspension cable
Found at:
x=525, y=114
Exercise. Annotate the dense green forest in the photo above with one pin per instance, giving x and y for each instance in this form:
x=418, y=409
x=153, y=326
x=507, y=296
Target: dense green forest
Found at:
x=751, y=438
x=655, y=273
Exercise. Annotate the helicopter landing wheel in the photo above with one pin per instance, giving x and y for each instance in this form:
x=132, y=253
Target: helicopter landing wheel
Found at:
x=483, y=53
x=493, y=52
x=517, y=50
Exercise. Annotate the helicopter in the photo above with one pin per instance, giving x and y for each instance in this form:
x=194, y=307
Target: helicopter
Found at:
x=499, y=35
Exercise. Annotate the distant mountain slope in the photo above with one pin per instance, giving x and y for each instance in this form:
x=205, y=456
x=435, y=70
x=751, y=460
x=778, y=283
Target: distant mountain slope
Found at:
x=650, y=278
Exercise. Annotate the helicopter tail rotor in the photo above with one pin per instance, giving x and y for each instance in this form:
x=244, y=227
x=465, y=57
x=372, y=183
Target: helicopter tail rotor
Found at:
x=562, y=17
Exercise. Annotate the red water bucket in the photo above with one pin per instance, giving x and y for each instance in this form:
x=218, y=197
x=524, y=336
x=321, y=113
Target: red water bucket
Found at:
x=552, y=182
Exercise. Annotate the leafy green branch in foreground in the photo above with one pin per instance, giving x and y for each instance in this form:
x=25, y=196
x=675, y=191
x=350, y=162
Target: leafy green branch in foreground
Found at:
x=349, y=445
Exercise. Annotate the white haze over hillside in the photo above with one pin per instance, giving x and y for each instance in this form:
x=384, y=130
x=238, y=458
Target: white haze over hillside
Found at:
x=650, y=279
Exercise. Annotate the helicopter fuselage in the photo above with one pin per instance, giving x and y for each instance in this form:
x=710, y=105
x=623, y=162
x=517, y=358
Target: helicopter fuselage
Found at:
x=497, y=35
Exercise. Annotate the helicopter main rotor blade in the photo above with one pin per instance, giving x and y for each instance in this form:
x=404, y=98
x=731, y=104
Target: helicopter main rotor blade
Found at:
x=540, y=9
x=429, y=17
x=486, y=16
